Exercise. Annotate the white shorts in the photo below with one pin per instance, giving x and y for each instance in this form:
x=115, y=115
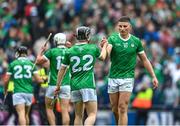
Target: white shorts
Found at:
x=84, y=95
x=22, y=98
x=65, y=92
x=118, y=85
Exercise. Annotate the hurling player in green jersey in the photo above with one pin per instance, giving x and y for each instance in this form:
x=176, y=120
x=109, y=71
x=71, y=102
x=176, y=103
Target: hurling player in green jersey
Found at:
x=81, y=60
x=55, y=56
x=123, y=48
x=21, y=72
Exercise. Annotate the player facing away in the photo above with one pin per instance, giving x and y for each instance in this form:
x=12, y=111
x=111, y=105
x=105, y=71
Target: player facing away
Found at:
x=55, y=56
x=81, y=60
x=21, y=72
x=123, y=48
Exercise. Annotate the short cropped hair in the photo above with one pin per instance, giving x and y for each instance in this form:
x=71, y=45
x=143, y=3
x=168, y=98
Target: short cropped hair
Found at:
x=124, y=19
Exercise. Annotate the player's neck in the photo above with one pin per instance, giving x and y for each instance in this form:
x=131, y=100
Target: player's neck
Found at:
x=82, y=42
x=125, y=37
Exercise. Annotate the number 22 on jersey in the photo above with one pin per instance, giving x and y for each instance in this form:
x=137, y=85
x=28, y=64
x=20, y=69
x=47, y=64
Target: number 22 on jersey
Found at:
x=87, y=66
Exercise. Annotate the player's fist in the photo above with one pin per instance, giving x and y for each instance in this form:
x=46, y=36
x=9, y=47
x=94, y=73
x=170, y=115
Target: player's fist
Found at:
x=103, y=41
x=44, y=48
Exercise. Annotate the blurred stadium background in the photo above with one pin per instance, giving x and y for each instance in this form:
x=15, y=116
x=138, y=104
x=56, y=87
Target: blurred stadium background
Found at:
x=156, y=22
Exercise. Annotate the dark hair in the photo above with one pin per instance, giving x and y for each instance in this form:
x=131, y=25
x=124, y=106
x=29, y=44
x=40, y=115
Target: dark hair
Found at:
x=82, y=33
x=124, y=19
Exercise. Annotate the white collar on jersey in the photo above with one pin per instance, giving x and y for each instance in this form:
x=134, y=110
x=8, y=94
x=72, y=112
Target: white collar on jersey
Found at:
x=81, y=43
x=61, y=46
x=20, y=58
x=123, y=38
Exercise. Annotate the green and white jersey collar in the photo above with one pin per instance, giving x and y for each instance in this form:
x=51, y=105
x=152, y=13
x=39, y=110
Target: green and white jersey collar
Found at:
x=22, y=58
x=81, y=43
x=123, y=38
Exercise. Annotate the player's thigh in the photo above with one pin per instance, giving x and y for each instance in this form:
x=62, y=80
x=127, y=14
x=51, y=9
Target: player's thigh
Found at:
x=124, y=97
x=27, y=110
x=114, y=98
x=64, y=104
x=50, y=92
x=18, y=99
x=65, y=92
x=126, y=84
x=113, y=85
x=88, y=95
x=49, y=103
x=20, y=108
x=91, y=107
x=79, y=108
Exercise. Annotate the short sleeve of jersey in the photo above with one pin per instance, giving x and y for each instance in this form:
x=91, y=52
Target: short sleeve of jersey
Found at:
x=66, y=59
x=97, y=51
x=48, y=54
x=140, y=47
x=110, y=40
x=35, y=71
x=9, y=71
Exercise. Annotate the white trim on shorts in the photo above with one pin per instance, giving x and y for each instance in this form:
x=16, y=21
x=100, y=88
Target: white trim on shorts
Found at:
x=22, y=98
x=84, y=95
x=119, y=85
x=65, y=92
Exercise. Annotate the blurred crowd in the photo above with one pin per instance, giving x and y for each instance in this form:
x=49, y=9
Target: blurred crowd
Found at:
x=155, y=22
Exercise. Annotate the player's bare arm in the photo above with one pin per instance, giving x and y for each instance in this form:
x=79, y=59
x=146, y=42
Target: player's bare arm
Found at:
x=149, y=68
x=109, y=49
x=7, y=78
x=40, y=58
x=103, y=52
x=60, y=76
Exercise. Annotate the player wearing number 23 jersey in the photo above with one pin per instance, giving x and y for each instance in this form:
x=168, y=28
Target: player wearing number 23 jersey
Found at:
x=21, y=71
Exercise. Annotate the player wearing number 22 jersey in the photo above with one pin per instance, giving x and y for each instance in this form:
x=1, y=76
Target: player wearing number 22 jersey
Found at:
x=81, y=60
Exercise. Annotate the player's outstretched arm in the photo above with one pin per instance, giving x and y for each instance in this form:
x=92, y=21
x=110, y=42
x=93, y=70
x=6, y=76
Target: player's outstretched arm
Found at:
x=109, y=49
x=103, y=52
x=40, y=58
x=60, y=76
x=6, y=80
x=149, y=68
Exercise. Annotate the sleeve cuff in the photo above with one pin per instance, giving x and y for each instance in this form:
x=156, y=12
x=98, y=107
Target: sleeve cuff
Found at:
x=45, y=57
x=9, y=73
x=141, y=52
x=35, y=72
x=64, y=65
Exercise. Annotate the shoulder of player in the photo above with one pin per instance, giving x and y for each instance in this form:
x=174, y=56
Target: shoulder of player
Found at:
x=135, y=38
x=114, y=34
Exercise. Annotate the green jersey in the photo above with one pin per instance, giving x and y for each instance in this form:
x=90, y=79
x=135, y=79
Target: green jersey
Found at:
x=123, y=55
x=81, y=59
x=55, y=56
x=21, y=74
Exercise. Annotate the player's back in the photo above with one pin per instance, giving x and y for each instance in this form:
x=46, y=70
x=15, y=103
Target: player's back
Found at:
x=55, y=56
x=21, y=73
x=82, y=58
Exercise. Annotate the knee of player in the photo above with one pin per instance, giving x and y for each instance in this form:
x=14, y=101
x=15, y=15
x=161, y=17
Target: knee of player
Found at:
x=114, y=109
x=122, y=107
